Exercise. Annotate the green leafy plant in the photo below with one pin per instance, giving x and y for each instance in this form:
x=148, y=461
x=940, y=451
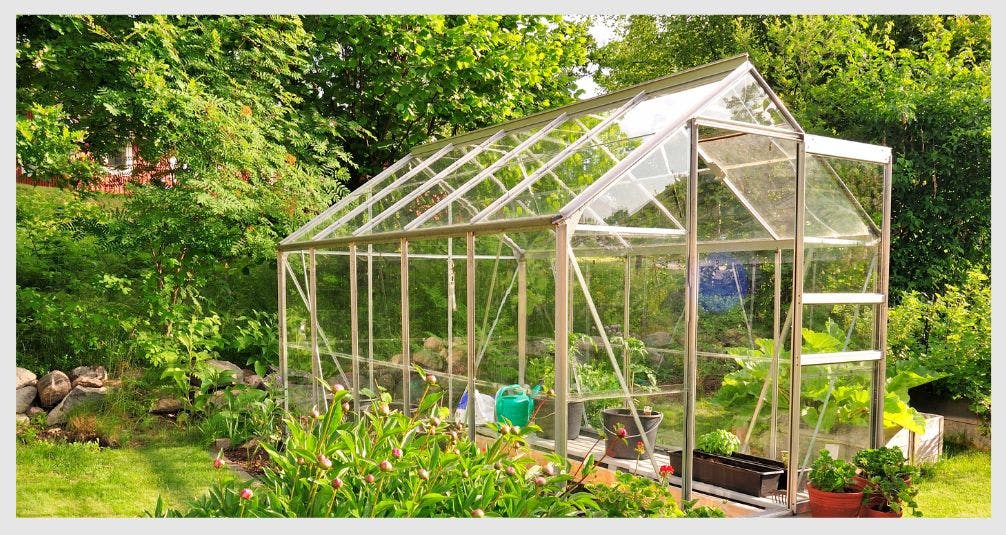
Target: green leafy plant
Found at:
x=632, y=496
x=889, y=479
x=831, y=475
x=388, y=464
x=719, y=442
x=244, y=413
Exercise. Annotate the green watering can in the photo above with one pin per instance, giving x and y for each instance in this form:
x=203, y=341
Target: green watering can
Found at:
x=514, y=404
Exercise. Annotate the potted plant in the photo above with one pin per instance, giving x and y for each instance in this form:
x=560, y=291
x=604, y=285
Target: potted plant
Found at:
x=831, y=489
x=885, y=478
x=713, y=462
x=622, y=434
x=544, y=409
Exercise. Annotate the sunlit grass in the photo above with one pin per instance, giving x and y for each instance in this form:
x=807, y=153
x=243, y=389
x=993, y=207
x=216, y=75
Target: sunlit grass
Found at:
x=82, y=480
x=958, y=486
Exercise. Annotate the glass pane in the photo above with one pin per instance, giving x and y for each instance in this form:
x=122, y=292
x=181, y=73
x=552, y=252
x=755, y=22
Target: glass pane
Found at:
x=358, y=197
x=394, y=195
x=568, y=178
x=832, y=211
x=849, y=269
x=761, y=171
x=381, y=319
x=835, y=409
x=301, y=395
x=334, y=336
x=453, y=181
x=747, y=102
x=835, y=328
x=863, y=180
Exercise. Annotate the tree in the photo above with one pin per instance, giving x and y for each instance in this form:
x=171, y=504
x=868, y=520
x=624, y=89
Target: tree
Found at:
x=921, y=85
x=406, y=79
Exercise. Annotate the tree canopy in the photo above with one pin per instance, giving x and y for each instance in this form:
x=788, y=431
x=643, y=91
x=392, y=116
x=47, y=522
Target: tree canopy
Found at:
x=920, y=85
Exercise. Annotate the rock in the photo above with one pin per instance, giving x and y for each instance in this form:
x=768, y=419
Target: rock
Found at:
x=166, y=406
x=21, y=420
x=216, y=399
x=537, y=347
x=77, y=397
x=657, y=339
x=221, y=444
x=25, y=378
x=52, y=388
x=94, y=372
x=25, y=397
x=224, y=366
x=250, y=444
x=34, y=411
x=254, y=381
x=90, y=382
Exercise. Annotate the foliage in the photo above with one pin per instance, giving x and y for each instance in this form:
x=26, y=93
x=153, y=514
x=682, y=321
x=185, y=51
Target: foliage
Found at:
x=719, y=442
x=950, y=334
x=889, y=476
x=387, y=464
x=830, y=395
x=831, y=475
x=918, y=84
x=244, y=413
x=49, y=147
x=632, y=496
x=407, y=79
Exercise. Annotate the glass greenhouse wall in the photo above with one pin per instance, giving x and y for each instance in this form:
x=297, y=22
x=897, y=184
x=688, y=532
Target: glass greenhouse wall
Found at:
x=681, y=247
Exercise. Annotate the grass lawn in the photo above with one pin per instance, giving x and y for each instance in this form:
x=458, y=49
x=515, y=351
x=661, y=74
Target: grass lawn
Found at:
x=958, y=486
x=82, y=480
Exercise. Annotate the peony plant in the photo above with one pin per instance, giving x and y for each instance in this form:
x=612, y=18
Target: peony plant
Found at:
x=389, y=464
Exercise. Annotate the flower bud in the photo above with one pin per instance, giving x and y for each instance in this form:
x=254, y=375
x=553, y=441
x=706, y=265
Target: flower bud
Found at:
x=345, y=406
x=300, y=460
x=324, y=462
x=396, y=453
x=369, y=478
x=549, y=469
x=385, y=410
x=314, y=413
x=431, y=379
x=539, y=481
x=338, y=387
x=218, y=462
x=498, y=465
x=515, y=430
x=504, y=429
x=336, y=483
x=478, y=513
x=510, y=470
x=435, y=421
x=246, y=493
x=385, y=466
x=622, y=432
x=423, y=474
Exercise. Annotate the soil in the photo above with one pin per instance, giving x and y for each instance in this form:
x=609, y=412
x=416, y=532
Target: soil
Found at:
x=251, y=460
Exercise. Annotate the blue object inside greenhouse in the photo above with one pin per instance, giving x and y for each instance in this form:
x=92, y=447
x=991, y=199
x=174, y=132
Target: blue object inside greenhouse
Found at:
x=723, y=282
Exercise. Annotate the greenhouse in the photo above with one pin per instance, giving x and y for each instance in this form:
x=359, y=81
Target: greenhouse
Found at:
x=677, y=259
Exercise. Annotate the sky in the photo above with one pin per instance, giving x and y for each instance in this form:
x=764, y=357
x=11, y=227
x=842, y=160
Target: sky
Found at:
x=602, y=34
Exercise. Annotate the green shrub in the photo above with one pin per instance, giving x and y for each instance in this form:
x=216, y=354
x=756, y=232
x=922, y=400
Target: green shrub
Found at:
x=949, y=334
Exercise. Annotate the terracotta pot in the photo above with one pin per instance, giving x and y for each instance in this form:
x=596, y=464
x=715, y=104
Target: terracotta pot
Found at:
x=870, y=512
x=834, y=504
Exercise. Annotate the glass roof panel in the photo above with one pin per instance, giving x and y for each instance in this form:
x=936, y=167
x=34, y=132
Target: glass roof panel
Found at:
x=568, y=178
x=358, y=197
x=746, y=101
x=832, y=208
x=390, y=197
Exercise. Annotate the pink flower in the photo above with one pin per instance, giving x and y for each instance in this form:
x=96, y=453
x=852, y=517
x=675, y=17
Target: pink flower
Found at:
x=385, y=466
x=622, y=433
x=549, y=469
x=511, y=470
x=246, y=493
x=431, y=379
x=336, y=483
x=218, y=462
x=338, y=387
x=396, y=453
x=539, y=481
x=369, y=478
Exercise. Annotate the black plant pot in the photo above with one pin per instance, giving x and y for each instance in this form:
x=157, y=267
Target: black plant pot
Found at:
x=616, y=447
x=777, y=464
x=731, y=473
x=546, y=418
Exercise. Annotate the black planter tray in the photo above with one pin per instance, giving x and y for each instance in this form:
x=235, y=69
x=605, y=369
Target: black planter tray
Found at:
x=732, y=473
x=777, y=464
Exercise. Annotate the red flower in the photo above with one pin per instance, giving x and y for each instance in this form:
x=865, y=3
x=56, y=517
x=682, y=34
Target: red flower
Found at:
x=666, y=470
x=218, y=462
x=246, y=494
